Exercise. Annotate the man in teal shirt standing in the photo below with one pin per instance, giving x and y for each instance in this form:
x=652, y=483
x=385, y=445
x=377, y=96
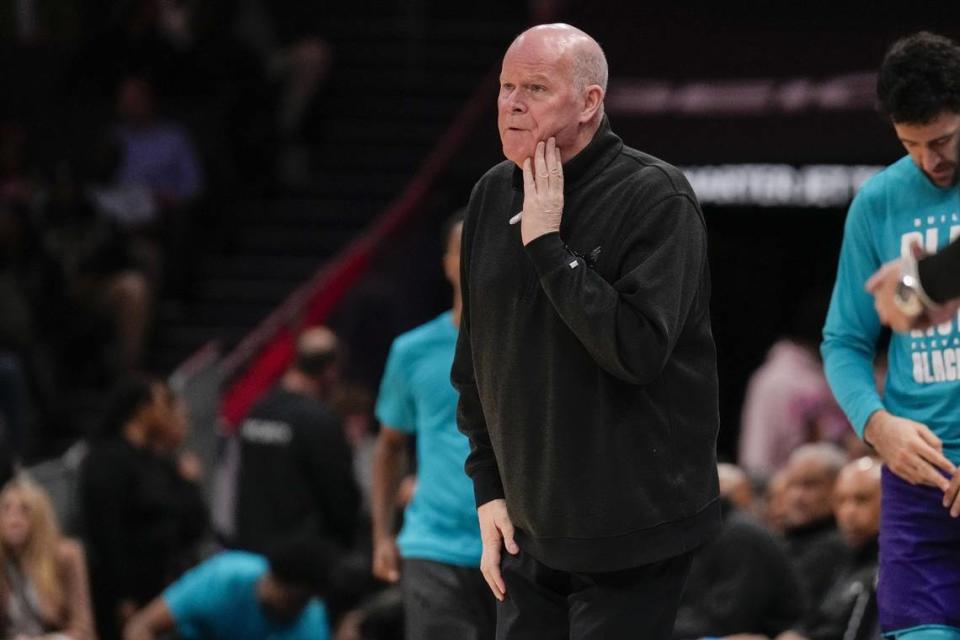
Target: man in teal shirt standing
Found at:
x=915, y=426
x=445, y=595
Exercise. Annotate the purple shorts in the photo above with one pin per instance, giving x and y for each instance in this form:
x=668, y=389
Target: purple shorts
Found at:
x=919, y=582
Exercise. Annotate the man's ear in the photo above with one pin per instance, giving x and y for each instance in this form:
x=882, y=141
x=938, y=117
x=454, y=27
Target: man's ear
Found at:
x=592, y=101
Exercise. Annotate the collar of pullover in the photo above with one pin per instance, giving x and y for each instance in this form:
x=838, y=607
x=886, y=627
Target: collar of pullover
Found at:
x=588, y=163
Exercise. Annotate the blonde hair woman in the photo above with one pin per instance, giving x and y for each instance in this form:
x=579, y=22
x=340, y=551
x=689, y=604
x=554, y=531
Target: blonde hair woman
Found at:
x=43, y=576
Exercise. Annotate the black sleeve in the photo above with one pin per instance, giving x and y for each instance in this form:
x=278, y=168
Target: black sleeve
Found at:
x=630, y=326
x=940, y=273
x=330, y=467
x=481, y=464
x=104, y=487
x=748, y=586
x=193, y=511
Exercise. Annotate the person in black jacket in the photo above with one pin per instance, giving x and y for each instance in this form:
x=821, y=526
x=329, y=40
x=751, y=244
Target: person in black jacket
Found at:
x=741, y=582
x=296, y=468
x=848, y=608
x=912, y=293
x=814, y=544
x=134, y=515
x=585, y=363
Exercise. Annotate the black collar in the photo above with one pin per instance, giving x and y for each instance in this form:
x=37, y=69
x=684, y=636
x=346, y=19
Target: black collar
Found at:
x=591, y=160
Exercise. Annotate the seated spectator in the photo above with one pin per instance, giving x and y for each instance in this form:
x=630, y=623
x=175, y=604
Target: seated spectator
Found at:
x=735, y=486
x=814, y=544
x=296, y=468
x=133, y=519
x=287, y=37
x=787, y=404
x=848, y=609
x=775, y=502
x=43, y=584
x=156, y=155
x=237, y=595
x=741, y=582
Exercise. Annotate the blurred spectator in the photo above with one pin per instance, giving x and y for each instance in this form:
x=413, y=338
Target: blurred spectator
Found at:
x=354, y=404
x=43, y=586
x=295, y=469
x=741, y=582
x=134, y=520
x=788, y=403
x=239, y=596
x=814, y=544
x=775, y=503
x=736, y=487
x=848, y=609
x=157, y=155
x=111, y=301
x=287, y=36
x=183, y=472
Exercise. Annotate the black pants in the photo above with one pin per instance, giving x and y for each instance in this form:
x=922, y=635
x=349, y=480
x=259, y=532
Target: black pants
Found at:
x=547, y=604
x=443, y=601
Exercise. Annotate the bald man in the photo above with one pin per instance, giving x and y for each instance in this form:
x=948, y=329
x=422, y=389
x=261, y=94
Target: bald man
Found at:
x=585, y=363
x=848, y=607
x=814, y=544
x=296, y=468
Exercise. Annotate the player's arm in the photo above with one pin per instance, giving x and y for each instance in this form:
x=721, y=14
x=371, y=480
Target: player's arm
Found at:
x=153, y=620
x=389, y=462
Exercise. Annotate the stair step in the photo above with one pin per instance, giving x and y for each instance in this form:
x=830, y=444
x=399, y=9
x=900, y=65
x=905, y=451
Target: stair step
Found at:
x=375, y=130
x=281, y=267
x=244, y=290
x=410, y=107
x=292, y=239
x=335, y=213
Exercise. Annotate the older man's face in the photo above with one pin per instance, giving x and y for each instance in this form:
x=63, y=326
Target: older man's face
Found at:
x=537, y=99
x=809, y=494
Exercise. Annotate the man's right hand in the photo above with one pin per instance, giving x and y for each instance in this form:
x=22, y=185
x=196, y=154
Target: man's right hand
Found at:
x=910, y=449
x=496, y=531
x=386, y=559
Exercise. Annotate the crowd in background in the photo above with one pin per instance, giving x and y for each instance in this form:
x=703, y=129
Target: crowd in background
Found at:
x=796, y=557
x=122, y=126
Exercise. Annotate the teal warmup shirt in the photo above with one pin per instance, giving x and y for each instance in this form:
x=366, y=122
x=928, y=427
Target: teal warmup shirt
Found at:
x=891, y=211
x=417, y=397
x=217, y=600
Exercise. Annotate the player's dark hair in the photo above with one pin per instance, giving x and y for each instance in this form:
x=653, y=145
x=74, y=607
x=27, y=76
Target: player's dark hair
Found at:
x=919, y=78
x=303, y=561
x=128, y=397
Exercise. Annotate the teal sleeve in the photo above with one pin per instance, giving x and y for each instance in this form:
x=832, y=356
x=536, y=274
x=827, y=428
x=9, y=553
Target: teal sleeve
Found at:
x=396, y=407
x=314, y=623
x=194, y=598
x=852, y=327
